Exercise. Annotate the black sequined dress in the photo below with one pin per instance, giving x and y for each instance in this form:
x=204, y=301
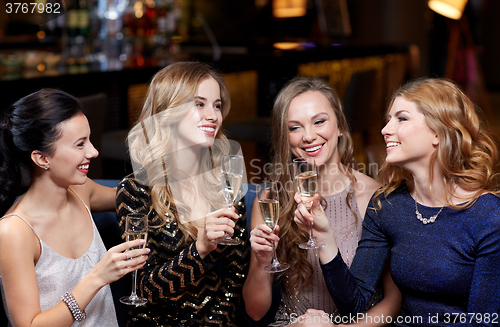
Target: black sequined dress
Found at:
x=182, y=288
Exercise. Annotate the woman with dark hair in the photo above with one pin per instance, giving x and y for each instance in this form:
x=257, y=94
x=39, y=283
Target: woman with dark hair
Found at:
x=437, y=216
x=176, y=147
x=308, y=122
x=54, y=267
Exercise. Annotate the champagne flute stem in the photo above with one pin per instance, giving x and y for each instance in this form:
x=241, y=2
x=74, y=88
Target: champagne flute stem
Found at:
x=275, y=260
x=226, y=235
x=311, y=238
x=229, y=205
x=134, y=285
x=310, y=231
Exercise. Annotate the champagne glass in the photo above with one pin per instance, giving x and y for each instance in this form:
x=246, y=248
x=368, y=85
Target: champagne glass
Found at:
x=136, y=226
x=269, y=206
x=306, y=176
x=232, y=173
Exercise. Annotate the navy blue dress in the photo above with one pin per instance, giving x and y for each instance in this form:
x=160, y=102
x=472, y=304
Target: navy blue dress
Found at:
x=448, y=271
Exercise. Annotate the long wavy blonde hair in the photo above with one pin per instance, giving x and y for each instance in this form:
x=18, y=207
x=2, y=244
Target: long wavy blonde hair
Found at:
x=299, y=275
x=466, y=153
x=153, y=139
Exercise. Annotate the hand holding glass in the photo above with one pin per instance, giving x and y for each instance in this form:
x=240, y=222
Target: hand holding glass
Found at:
x=136, y=227
x=232, y=173
x=268, y=198
x=306, y=177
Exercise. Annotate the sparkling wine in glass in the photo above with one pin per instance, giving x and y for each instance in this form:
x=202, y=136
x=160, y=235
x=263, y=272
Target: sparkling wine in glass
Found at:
x=232, y=173
x=306, y=177
x=269, y=206
x=136, y=227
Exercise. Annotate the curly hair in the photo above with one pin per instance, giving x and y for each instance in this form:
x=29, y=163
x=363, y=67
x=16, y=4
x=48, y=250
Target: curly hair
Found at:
x=466, y=153
x=153, y=139
x=299, y=276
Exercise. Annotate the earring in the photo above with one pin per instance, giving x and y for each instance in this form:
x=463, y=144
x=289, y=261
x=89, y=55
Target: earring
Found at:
x=46, y=167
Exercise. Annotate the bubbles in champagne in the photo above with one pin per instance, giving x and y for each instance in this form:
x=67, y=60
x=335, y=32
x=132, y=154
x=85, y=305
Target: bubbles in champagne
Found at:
x=270, y=210
x=307, y=184
x=232, y=184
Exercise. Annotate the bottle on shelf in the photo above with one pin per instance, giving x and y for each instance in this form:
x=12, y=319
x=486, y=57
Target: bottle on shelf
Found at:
x=84, y=18
x=73, y=19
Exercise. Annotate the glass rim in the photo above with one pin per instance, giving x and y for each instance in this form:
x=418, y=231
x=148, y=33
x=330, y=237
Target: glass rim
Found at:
x=304, y=162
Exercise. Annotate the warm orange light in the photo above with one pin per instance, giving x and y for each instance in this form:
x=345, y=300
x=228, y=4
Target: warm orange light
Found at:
x=176, y=38
x=289, y=8
x=140, y=61
x=286, y=45
x=449, y=8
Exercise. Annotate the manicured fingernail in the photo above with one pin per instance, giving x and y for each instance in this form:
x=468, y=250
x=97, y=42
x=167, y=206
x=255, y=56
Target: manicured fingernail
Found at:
x=143, y=240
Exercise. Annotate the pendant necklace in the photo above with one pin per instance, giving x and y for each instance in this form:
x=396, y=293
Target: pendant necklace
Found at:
x=425, y=221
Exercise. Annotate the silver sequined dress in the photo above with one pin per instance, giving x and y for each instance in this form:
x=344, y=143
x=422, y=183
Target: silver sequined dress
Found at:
x=57, y=275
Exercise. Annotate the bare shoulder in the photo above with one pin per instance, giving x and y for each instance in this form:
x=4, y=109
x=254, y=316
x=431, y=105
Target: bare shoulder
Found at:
x=17, y=237
x=99, y=197
x=85, y=190
x=365, y=187
x=20, y=250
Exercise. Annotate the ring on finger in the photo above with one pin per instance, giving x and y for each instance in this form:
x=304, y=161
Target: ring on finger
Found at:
x=126, y=255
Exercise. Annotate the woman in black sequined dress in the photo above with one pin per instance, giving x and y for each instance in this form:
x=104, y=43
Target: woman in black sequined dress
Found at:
x=176, y=150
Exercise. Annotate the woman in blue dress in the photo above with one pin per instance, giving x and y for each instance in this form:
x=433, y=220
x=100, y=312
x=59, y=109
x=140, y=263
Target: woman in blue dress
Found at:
x=437, y=217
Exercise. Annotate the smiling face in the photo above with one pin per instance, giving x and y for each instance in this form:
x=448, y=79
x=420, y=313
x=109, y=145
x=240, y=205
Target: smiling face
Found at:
x=69, y=164
x=410, y=142
x=202, y=122
x=313, y=128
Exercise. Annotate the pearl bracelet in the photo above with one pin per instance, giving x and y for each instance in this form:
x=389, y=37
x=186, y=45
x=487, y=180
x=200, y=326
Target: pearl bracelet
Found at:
x=70, y=301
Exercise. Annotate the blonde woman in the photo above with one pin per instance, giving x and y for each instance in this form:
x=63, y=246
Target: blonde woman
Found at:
x=437, y=215
x=188, y=279
x=308, y=122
